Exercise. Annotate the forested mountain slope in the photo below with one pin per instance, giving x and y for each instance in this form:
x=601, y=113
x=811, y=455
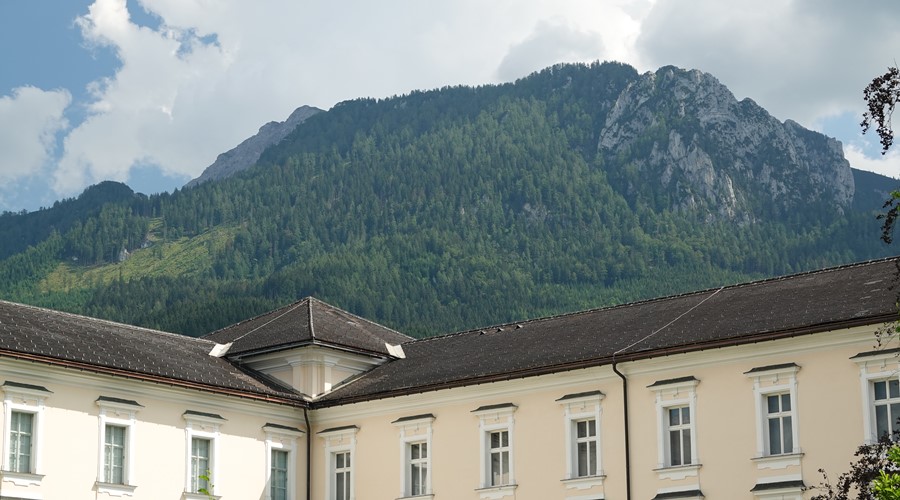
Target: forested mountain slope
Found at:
x=576, y=187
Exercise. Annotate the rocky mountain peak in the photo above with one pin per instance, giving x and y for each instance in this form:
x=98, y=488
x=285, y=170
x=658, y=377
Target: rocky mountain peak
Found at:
x=712, y=152
x=247, y=153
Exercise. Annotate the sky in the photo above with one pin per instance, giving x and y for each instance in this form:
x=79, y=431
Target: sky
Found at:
x=149, y=92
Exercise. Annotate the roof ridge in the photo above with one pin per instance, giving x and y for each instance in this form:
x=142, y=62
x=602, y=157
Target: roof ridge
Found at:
x=664, y=298
x=309, y=314
x=361, y=319
x=106, y=321
x=260, y=315
x=285, y=311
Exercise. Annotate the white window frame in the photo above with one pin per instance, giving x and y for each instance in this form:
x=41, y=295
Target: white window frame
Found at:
x=771, y=381
x=675, y=393
x=120, y=413
x=204, y=426
x=282, y=438
x=495, y=418
x=339, y=440
x=413, y=430
x=874, y=367
x=24, y=398
x=578, y=408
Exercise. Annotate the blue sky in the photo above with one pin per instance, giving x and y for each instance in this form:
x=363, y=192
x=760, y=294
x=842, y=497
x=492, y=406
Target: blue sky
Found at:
x=149, y=92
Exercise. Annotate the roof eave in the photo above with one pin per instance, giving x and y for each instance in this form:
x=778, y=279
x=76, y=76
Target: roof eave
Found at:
x=621, y=358
x=298, y=402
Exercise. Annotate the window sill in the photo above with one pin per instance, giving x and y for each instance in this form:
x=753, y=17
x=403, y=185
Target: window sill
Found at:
x=778, y=461
x=584, y=482
x=198, y=496
x=21, y=478
x=677, y=472
x=494, y=492
x=429, y=496
x=115, y=490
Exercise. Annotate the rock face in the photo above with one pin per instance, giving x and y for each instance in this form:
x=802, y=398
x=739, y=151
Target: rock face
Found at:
x=685, y=130
x=247, y=153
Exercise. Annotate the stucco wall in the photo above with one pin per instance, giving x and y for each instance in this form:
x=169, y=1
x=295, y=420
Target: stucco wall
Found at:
x=70, y=430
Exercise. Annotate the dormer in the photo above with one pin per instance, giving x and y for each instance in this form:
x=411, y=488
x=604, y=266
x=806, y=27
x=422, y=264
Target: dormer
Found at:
x=308, y=345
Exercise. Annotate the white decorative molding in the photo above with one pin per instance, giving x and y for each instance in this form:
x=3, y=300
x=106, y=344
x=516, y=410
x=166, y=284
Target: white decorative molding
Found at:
x=415, y=429
x=339, y=440
x=584, y=483
x=679, y=472
x=672, y=393
x=25, y=398
x=497, y=492
x=767, y=381
x=776, y=462
x=21, y=478
x=284, y=438
x=494, y=418
x=581, y=406
x=122, y=413
x=206, y=426
x=873, y=367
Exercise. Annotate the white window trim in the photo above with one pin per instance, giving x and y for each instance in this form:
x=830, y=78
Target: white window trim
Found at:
x=669, y=394
x=120, y=413
x=285, y=439
x=874, y=367
x=339, y=440
x=768, y=381
x=416, y=429
x=579, y=407
x=206, y=426
x=495, y=418
x=27, y=399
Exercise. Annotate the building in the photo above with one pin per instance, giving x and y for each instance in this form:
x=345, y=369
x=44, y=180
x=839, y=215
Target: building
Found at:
x=743, y=391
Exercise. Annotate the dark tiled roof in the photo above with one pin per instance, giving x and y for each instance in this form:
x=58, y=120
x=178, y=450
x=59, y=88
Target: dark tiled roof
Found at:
x=70, y=340
x=781, y=307
x=305, y=322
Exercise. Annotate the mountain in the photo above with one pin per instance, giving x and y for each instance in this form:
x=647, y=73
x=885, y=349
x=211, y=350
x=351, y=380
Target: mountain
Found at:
x=716, y=155
x=245, y=154
x=576, y=187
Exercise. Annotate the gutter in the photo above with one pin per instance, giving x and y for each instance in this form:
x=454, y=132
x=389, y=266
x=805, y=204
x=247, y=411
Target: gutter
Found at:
x=627, y=440
x=308, y=454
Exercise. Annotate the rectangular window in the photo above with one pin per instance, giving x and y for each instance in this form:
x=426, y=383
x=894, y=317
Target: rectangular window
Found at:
x=200, y=453
x=887, y=407
x=21, y=439
x=342, y=473
x=418, y=468
x=279, y=475
x=679, y=431
x=499, y=451
x=779, y=424
x=114, y=455
x=586, y=447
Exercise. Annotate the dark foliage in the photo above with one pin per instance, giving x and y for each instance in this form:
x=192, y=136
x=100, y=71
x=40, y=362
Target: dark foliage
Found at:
x=856, y=483
x=881, y=97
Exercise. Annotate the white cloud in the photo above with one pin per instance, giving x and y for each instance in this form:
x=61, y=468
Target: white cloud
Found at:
x=29, y=121
x=212, y=72
x=888, y=164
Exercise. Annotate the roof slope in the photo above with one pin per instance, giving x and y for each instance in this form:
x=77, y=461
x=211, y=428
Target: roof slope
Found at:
x=103, y=346
x=305, y=322
x=781, y=307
